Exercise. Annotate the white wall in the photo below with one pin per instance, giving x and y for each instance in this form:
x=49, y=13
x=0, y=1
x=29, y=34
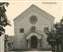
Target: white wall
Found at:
x=2, y=43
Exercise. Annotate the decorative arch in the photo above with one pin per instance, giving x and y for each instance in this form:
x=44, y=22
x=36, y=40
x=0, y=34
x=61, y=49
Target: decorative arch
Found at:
x=33, y=40
x=33, y=34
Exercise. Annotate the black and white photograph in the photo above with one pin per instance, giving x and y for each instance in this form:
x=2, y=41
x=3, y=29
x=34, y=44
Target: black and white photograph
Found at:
x=31, y=26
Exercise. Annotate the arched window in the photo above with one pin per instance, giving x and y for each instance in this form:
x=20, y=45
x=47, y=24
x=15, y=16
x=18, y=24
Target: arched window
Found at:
x=33, y=28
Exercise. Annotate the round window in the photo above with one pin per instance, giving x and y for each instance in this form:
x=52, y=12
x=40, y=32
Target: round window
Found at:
x=33, y=19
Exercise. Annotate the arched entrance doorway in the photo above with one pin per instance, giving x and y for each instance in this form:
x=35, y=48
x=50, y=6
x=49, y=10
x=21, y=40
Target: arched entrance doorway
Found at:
x=34, y=42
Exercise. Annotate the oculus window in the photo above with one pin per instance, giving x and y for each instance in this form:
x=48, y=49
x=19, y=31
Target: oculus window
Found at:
x=33, y=19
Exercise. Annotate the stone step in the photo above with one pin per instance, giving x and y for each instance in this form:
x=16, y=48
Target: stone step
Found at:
x=37, y=51
x=30, y=51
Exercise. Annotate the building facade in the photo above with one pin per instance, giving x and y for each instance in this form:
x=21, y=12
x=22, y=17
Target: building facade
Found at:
x=29, y=28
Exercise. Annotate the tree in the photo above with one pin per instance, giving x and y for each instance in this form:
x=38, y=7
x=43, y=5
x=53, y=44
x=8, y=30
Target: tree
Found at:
x=51, y=38
x=59, y=35
x=3, y=18
x=55, y=37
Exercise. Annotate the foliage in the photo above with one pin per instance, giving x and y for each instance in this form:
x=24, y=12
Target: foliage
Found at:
x=3, y=18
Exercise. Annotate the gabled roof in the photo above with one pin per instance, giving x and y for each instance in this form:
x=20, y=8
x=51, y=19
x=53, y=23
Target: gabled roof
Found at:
x=34, y=7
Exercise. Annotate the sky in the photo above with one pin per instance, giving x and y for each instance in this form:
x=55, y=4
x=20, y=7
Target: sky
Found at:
x=16, y=7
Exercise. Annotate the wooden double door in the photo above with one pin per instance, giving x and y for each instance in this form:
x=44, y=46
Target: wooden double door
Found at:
x=34, y=42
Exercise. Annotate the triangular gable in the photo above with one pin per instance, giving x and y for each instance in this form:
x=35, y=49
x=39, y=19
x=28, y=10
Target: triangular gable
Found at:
x=34, y=7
